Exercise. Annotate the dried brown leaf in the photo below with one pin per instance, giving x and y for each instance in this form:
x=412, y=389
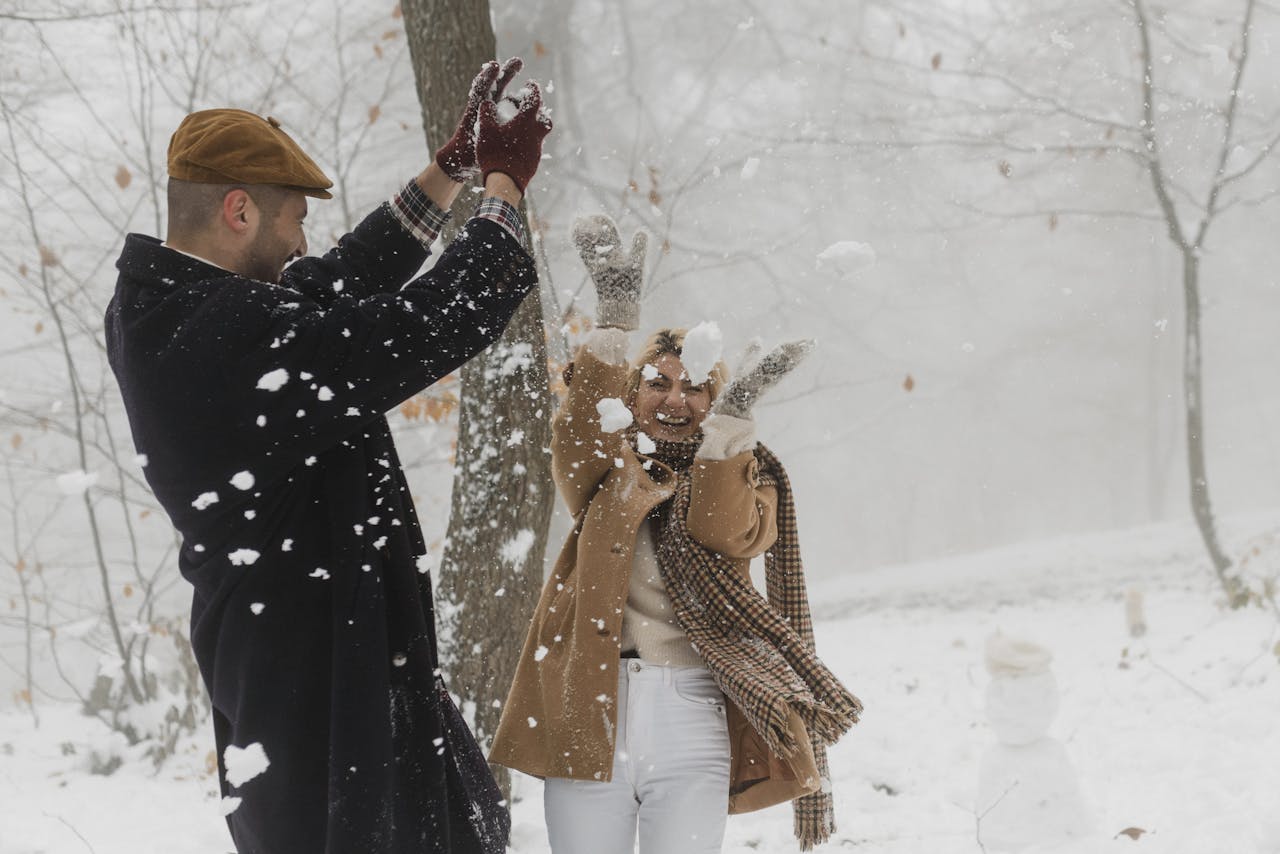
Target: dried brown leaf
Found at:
x=1131, y=832
x=39, y=326
x=123, y=177
x=1006, y=168
x=539, y=49
x=48, y=258
x=374, y=112
x=936, y=61
x=909, y=383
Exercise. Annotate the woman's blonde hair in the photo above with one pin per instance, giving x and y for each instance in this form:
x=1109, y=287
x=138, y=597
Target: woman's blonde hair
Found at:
x=670, y=341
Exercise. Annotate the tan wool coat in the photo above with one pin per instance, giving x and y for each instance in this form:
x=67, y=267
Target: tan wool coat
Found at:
x=560, y=716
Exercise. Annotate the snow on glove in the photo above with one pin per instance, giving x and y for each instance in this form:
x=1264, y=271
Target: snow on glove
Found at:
x=457, y=157
x=738, y=399
x=513, y=148
x=616, y=274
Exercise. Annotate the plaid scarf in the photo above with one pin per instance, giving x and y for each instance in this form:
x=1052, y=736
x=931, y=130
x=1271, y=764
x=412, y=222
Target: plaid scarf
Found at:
x=760, y=652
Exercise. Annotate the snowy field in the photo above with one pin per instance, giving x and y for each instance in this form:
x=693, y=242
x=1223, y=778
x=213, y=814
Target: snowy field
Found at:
x=1176, y=734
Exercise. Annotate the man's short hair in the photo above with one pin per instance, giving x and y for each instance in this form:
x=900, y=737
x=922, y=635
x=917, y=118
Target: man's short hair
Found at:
x=194, y=206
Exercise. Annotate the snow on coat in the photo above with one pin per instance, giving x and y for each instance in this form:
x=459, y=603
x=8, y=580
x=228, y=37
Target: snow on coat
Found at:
x=260, y=410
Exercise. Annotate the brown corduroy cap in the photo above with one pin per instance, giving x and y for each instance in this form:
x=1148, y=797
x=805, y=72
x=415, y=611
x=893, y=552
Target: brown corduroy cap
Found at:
x=237, y=147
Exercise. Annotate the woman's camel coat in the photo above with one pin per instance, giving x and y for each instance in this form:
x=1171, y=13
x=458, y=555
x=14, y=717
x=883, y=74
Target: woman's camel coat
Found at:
x=560, y=716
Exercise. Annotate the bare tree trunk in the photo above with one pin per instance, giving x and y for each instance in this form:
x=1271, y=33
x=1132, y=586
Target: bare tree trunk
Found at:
x=1201, y=506
x=491, y=572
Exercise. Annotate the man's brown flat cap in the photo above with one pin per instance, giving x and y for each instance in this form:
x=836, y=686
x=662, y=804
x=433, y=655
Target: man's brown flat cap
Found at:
x=237, y=147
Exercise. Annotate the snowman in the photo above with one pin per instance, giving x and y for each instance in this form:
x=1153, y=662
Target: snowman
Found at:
x=1028, y=795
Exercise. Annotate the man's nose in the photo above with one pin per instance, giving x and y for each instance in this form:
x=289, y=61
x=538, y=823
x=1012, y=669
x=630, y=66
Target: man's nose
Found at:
x=675, y=397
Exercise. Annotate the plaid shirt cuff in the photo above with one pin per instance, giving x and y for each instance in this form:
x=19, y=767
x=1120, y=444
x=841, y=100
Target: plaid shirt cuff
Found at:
x=504, y=214
x=420, y=216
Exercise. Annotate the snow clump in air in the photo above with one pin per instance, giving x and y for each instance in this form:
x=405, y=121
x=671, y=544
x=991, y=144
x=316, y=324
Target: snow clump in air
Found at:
x=649, y=372
x=750, y=168
x=614, y=415
x=846, y=258
x=702, y=347
x=228, y=805
x=204, y=499
x=644, y=444
x=242, y=480
x=273, y=380
x=540, y=653
x=244, y=763
x=76, y=482
x=243, y=557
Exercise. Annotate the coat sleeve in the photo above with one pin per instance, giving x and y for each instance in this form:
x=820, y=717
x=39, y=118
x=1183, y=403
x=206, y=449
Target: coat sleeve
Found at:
x=298, y=377
x=729, y=510
x=581, y=453
x=377, y=257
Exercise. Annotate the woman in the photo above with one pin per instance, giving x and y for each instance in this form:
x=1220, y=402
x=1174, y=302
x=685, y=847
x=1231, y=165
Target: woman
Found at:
x=657, y=691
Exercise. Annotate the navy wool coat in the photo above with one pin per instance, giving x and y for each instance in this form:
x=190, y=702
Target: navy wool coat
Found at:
x=258, y=409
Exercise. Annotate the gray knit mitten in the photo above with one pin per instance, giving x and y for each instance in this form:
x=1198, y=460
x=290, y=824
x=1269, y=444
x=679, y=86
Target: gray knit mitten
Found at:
x=617, y=275
x=738, y=399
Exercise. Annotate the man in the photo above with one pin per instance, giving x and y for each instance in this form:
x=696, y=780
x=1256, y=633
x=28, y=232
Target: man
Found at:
x=256, y=394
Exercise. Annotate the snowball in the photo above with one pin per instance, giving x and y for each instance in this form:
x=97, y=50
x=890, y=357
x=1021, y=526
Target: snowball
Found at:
x=286, y=546
x=76, y=482
x=243, y=557
x=702, y=346
x=244, y=763
x=846, y=258
x=320, y=573
x=424, y=564
x=242, y=480
x=649, y=372
x=614, y=415
x=204, y=499
x=228, y=805
x=325, y=393
x=533, y=722
x=273, y=380
x=337, y=286
x=750, y=168
x=540, y=653
x=141, y=460
x=257, y=608
x=644, y=444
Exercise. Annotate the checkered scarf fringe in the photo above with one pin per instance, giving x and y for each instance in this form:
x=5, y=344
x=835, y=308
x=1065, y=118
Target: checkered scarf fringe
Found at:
x=760, y=652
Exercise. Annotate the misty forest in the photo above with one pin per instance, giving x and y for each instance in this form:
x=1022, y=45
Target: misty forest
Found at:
x=1035, y=451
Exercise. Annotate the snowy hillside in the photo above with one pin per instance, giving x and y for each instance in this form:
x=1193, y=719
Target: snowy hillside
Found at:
x=1174, y=734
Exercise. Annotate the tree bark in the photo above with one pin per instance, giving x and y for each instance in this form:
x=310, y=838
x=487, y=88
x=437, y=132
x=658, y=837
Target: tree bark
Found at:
x=1193, y=396
x=491, y=572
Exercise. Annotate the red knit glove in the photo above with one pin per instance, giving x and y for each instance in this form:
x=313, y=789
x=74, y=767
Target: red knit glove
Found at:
x=513, y=148
x=457, y=157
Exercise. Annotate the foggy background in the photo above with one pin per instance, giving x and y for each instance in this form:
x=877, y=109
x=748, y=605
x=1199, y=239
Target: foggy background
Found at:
x=1008, y=370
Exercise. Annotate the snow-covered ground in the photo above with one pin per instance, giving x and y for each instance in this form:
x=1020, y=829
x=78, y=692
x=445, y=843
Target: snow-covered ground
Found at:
x=1176, y=733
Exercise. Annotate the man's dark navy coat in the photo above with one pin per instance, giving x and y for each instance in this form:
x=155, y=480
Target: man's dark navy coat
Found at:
x=259, y=409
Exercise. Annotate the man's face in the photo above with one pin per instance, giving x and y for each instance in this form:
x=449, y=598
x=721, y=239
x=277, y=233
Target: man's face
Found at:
x=279, y=238
x=667, y=406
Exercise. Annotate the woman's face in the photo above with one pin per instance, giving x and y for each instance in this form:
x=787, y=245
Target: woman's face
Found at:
x=667, y=406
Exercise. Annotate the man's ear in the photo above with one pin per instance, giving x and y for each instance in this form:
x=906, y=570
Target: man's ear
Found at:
x=239, y=213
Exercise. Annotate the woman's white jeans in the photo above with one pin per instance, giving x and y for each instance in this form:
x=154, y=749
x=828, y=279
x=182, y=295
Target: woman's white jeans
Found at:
x=670, y=771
